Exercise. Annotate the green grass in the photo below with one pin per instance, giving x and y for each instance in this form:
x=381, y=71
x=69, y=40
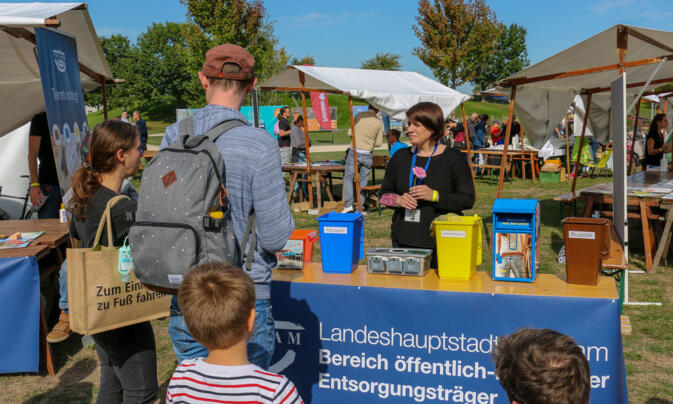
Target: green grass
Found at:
x=97, y=117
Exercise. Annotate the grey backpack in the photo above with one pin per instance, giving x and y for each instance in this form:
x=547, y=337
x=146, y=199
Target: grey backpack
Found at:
x=183, y=217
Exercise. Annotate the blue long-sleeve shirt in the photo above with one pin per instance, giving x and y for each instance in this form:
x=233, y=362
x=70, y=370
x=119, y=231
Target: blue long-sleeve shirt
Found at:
x=254, y=180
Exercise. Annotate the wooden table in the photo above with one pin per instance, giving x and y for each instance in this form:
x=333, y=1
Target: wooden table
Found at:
x=526, y=156
x=646, y=203
x=323, y=173
x=323, y=314
x=49, y=251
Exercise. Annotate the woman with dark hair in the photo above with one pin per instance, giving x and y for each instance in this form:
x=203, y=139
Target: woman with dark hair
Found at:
x=127, y=355
x=654, y=146
x=425, y=180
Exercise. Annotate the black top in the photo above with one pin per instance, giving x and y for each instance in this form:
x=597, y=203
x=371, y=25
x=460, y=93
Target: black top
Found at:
x=653, y=159
x=448, y=174
x=142, y=127
x=122, y=214
x=46, y=172
x=283, y=124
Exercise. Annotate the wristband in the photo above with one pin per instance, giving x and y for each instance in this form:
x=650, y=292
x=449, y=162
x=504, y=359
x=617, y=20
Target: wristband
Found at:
x=435, y=195
x=34, y=184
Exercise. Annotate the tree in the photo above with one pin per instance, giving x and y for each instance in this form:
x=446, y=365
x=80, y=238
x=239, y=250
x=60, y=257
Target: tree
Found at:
x=456, y=38
x=383, y=61
x=510, y=56
x=240, y=22
x=121, y=58
x=306, y=60
x=165, y=76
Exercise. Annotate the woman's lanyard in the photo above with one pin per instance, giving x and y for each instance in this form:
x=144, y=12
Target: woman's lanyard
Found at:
x=413, y=164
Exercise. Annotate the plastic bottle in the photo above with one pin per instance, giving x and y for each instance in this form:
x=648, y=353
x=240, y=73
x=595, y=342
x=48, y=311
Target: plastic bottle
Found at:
x=663, y=164
x=125, y=265
x=62, y=217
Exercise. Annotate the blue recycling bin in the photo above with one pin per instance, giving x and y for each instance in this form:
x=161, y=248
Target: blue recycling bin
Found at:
x=342, y=237
x=516, y=239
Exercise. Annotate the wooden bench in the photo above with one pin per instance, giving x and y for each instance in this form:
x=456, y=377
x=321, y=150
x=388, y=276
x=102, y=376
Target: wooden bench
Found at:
x=570, y=200
x=615, y=264
x=372, y=192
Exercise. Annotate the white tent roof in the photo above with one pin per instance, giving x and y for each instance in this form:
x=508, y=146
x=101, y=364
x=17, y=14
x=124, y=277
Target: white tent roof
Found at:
x=540, y=105
x=392, y=92
x=20, y=85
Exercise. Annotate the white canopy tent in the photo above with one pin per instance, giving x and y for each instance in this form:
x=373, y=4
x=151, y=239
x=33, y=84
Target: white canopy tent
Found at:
x=20, y=85
x=21, y=94
x=392, y=92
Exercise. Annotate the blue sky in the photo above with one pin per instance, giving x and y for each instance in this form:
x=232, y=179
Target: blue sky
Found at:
x=344, y=33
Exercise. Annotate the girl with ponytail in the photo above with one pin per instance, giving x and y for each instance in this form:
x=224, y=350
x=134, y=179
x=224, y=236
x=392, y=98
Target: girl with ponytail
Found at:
x=127, y=355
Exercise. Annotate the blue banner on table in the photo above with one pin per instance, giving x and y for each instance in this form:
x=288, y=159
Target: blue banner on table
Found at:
x=62, y=89
x=362, y=344
x=19, y=315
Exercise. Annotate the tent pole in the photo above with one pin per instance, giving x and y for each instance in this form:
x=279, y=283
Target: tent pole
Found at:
x=306, y=141
x=104, y=99
x=565, y=133
x=354, y=153
x=503, y=162
x=469, y=151
x=633, y=138
x=579, y=152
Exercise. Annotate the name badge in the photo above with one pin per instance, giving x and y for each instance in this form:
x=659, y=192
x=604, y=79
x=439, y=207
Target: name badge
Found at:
x=412, y=215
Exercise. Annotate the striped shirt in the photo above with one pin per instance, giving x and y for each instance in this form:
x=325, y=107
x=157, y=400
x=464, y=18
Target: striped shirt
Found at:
x=196, y=381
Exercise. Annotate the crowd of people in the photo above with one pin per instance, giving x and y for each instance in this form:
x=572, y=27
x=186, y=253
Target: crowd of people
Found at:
x=221, y=323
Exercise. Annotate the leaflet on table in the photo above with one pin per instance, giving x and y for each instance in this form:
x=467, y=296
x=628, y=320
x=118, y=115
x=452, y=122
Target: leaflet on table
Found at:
x=19, y=240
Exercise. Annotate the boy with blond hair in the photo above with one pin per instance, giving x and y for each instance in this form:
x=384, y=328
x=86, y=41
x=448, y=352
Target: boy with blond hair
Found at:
x=218, y=304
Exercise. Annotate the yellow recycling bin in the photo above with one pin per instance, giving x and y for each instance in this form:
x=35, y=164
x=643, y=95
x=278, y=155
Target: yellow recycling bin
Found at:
x=458, y=245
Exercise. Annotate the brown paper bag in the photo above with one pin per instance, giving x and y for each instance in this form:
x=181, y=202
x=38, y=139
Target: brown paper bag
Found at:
x=98, y=299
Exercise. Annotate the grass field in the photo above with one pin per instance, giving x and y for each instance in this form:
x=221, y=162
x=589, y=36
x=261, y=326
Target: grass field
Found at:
x=648, y=351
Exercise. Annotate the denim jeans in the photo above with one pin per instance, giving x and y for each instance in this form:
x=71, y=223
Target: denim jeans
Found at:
x=128, y=365
x=63, y=286
x=285, y=155
x=260, y=345
x=364, y=164
x=50, y=208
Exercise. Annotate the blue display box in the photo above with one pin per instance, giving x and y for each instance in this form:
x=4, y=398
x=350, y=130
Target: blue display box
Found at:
x=516, y=239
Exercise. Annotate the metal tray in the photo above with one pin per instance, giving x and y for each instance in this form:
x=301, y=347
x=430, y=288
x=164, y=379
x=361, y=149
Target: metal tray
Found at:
x=398, y=261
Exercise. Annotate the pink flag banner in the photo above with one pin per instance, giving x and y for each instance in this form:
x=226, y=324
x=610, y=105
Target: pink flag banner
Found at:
x=320, y=105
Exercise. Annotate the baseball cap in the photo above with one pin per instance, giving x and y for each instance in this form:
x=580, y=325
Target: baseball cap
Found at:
x=228, y=53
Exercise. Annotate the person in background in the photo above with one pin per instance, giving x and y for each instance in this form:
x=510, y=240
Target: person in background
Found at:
x=125, y=117
x=496, y=135
x=369, y=134
x=516, y=129
x=127, y=355
x=298, y=141
x=654, y=143
x=284, y=130
x=480, y=132
x=218, y=302
x=471, y=133
x=541, y=366
x=141, y=125
x=46, y=193
x=254, y=182
x=44, y=187
x=447, y=139
x=444, y=186
x=394, y=144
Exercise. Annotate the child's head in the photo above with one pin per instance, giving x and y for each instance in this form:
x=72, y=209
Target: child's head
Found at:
x=218, y=302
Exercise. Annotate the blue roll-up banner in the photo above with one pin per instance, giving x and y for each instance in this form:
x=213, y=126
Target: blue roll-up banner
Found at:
x=352, y=344
x=62, y=89
x=19, y=315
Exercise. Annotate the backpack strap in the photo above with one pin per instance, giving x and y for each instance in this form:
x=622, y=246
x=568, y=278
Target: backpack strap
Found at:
x=185, y=129
x=250, y=233
x=213, y=134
